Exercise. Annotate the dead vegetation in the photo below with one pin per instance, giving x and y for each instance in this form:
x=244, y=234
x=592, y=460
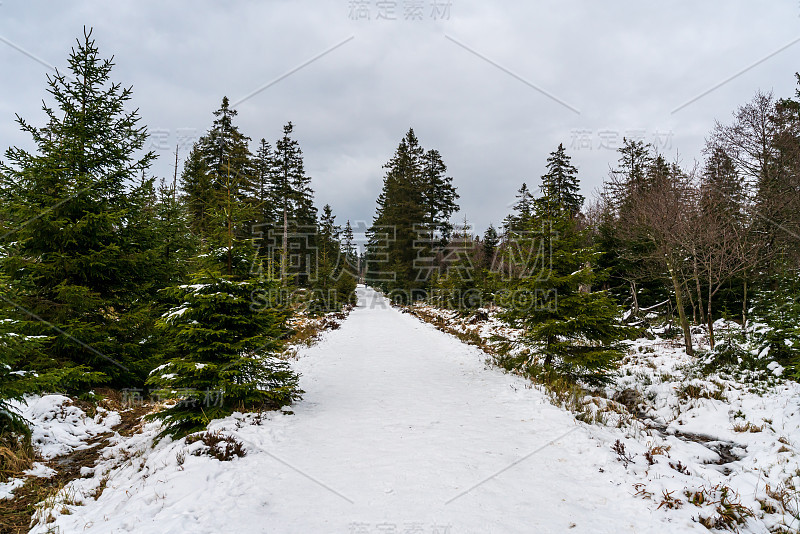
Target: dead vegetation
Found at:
x=217, y=445
x=33, y=500
x=307, y=330
x=728, y=511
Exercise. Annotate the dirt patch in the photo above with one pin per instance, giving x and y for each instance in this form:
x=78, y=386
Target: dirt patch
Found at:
x=16, y=514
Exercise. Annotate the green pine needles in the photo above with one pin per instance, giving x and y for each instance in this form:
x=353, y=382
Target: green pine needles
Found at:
x=79, y=254
x=223, y=353
x=575, y=327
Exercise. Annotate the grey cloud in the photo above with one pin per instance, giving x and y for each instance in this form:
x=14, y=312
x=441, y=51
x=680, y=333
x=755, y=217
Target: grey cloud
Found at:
x=624, y=65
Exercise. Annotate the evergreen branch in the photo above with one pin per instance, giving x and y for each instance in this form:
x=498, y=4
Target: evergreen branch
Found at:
x=46, y=211
x=63, y=333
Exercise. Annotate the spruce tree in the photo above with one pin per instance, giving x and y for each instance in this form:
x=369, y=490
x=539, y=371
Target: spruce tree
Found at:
x=627, y=280
x=27, y=369
x=218, y=183
x=259, y=194
x=454, y=283
x=80, y=253
x=292, y=196
x=223, y=355
x=349, y=272
x=574, y=328
x=401, y=211
x=439, y=196
x=176, y=242
x=630, y=175
x=721, y=187
x=230, y=234
x=523, y=210
x=345, y=286
x=556, y=302
x=490, y=242
x=722, y=243
x=412, y=220
x=225, y=150
x=778, y=292
x=349, y=247
x=197, y=193
x=328, y=257
x=560, y=185
x=222, y=333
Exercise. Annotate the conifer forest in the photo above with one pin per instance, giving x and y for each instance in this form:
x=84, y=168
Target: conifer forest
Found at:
x=207, y=336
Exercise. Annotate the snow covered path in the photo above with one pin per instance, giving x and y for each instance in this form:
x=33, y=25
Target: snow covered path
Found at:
x=400, y=431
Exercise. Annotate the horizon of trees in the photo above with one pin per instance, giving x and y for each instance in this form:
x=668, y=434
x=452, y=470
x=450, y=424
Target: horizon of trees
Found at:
x=716, y=241
x=112, y=278
x=109, y=278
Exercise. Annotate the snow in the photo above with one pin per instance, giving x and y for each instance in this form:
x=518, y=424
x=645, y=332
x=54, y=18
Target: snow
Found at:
x=402, y=428
x=7, y=488
x=406, y=429
x=739, y=433
x=58, y=427
x=775, y=367
x=175, y=313
x=40, y=470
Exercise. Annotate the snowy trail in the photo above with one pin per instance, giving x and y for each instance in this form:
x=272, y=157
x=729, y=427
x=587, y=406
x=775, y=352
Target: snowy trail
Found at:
x=398, y=421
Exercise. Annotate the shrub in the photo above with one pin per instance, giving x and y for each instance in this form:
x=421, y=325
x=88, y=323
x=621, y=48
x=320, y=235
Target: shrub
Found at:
x=222, y=355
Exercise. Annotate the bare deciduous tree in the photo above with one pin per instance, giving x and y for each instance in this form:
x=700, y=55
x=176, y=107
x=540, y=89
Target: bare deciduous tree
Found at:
x=655, y=214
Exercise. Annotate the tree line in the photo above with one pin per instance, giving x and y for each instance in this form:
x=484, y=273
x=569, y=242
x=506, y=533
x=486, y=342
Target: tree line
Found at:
x=182, y=288
x=718, y=240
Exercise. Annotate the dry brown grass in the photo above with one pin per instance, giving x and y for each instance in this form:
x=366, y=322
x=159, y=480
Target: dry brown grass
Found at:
x=16, y=455
x=38, y=496
x=747, y=427
x=729, y=513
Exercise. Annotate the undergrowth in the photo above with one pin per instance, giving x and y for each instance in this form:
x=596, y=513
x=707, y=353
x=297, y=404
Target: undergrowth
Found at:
x=217, y=445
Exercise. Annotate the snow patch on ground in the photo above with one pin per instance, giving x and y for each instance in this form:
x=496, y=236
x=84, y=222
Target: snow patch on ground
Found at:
x=142, y=484
x=58, y=427
x=7, y=488
x=40, y=470
x=696, y=445
x=401, y=429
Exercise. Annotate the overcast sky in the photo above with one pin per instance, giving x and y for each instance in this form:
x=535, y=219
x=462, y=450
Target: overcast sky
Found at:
x=494, y=86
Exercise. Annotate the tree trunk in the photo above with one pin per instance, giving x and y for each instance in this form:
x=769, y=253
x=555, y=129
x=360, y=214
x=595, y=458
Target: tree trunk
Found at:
x=687, y=333
x=230, y=223
x=548, y=359
x=710, y=323
x=710, y=316
x=285, y=249
x=699, y=292
x=635, y=298
x=170, y=220
x=744, y=305
x=692, y=304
